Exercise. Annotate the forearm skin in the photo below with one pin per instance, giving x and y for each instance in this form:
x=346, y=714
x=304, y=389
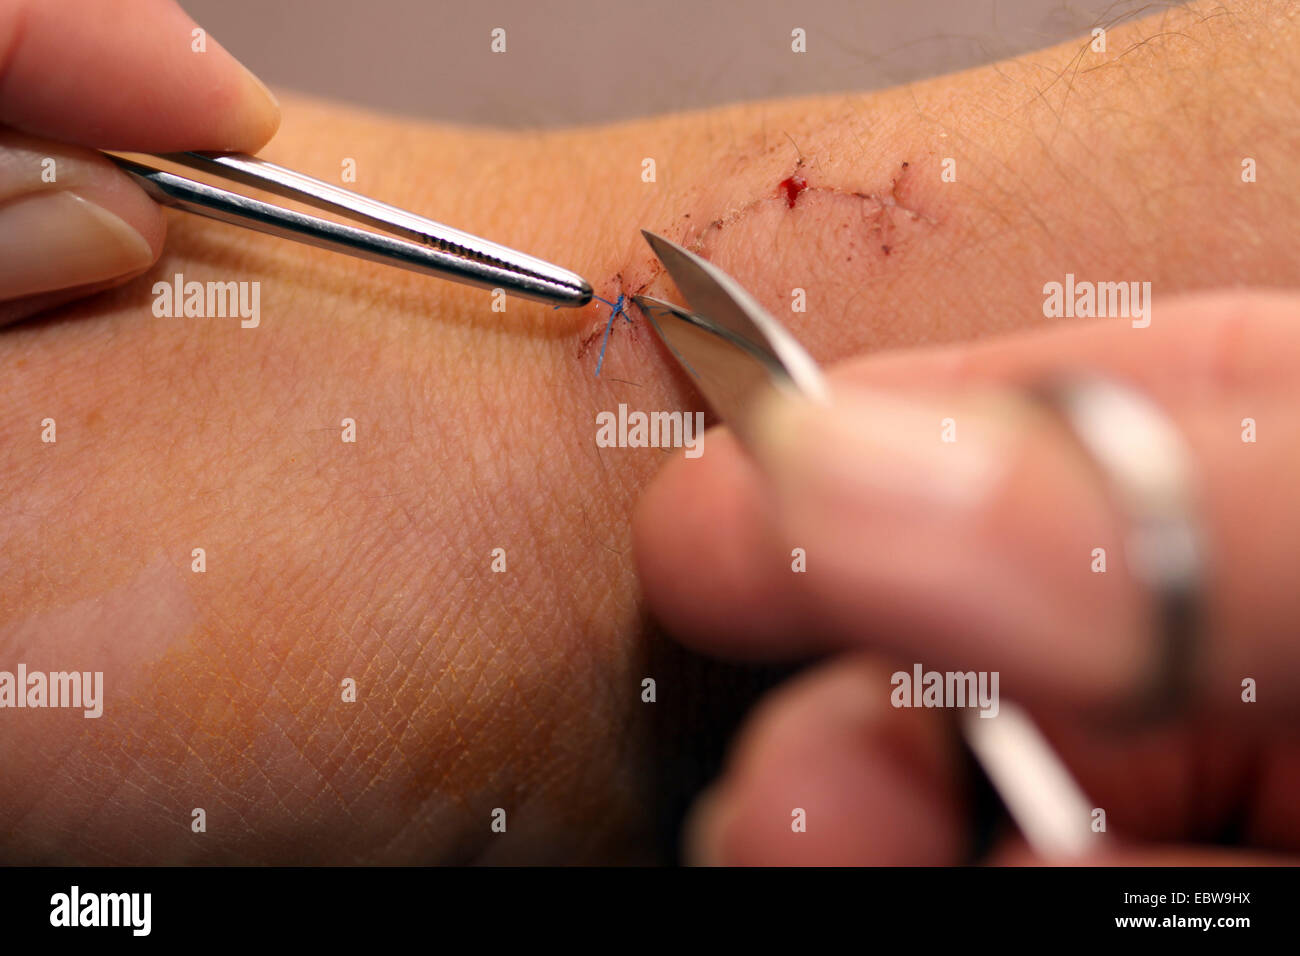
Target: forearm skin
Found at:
x=372, y=560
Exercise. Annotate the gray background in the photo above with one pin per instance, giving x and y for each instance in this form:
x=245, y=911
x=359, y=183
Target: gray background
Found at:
x=588, y=61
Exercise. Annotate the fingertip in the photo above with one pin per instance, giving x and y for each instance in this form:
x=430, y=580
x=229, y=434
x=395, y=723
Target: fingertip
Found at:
x=70, y=223
x=115, y=193
x=242, y=113
x=708, y=565
x=706, y=826
x=827, y=773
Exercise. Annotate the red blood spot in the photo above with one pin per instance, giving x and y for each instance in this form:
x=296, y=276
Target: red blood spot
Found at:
x=792, y=187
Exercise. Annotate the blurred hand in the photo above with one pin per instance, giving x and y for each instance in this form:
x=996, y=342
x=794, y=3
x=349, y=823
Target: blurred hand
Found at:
x=978, y=554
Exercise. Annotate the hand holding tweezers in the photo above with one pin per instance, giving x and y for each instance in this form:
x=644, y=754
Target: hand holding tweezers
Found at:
x=415, y=243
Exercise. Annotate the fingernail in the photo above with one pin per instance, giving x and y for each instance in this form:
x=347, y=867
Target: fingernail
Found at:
x=911, y=455
x=59, y=240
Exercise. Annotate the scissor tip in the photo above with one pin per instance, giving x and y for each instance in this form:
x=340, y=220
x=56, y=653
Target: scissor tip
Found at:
x=651, y=306
x=669, y=252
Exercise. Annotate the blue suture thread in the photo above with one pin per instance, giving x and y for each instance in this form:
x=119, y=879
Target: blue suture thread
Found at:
x=617, y=308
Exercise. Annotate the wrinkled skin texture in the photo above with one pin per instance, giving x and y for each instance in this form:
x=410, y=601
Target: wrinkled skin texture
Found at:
x=372, y=561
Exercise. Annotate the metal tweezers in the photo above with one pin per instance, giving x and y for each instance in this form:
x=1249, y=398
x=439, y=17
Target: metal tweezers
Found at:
x=415, y=242
x=733, y=350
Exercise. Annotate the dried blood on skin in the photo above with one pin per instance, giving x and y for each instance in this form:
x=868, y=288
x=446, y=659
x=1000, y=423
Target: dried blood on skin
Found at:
x=792, y=187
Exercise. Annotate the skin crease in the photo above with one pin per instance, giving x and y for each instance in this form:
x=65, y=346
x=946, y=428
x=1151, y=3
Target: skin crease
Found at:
x=475, y=431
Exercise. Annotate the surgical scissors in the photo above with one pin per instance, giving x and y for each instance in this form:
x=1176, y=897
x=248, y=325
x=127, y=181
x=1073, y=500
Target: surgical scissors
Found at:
x=415, y=243
x=735, y=350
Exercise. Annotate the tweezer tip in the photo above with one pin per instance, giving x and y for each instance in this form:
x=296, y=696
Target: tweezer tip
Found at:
x=575, y=293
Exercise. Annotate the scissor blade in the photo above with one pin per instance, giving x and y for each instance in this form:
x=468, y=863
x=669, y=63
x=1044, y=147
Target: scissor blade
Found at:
x=729, y=344
x=729, y=372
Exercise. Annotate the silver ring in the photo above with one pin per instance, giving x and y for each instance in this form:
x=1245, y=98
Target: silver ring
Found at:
x=1148, y=469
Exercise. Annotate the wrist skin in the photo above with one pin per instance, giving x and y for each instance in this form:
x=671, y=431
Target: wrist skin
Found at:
x=326, y=560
